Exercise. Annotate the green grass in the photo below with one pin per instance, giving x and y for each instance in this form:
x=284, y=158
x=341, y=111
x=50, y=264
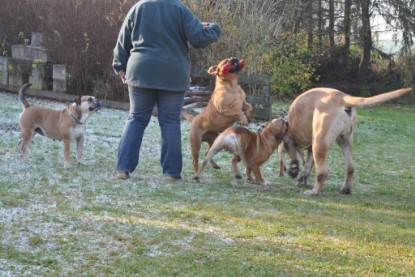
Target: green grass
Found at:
x=81, y=221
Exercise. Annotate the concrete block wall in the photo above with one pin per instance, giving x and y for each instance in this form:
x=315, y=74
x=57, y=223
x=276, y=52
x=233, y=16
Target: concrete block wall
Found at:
x=18, y=71
x=4, y=74
x=59, y=78
x=41, y=76
x=32, y=63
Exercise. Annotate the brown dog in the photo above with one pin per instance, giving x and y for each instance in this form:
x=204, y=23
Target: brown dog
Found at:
x=318, y=118
x=226, y=106
x=253, y=148
x=66, y=124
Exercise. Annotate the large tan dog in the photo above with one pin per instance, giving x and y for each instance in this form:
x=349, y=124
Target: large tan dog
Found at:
x=318, y=118
x=226, y=106
x=252, y=148
x=67, y=124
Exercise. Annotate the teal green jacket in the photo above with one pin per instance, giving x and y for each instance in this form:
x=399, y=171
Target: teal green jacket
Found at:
x=153, y=44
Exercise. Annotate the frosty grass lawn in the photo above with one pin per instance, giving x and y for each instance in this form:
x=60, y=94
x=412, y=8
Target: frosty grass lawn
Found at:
x=81, y=221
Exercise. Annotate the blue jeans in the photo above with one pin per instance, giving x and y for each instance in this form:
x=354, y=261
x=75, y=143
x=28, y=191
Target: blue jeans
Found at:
x=142, y=101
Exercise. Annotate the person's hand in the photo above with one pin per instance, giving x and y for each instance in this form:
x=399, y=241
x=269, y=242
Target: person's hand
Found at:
x=121, y=73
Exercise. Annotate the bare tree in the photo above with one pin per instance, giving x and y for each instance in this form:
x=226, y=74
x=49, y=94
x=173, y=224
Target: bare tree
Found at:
x=249, y=28
x=347, y=29
x=331, y=24
x=320, y=24
x=400, y=16
x=310, y=29
x=83, y=33
x=366, y=34
x=15, y=28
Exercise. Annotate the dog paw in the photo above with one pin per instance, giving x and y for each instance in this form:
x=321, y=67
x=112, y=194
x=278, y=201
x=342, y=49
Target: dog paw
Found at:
x=294, y=169
x=302, y=181
x=311, y=193
x=265, y=184
x=293, y=173
x=346, y=190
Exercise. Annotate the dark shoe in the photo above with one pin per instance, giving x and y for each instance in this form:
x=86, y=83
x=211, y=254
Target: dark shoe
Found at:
x=122, y=175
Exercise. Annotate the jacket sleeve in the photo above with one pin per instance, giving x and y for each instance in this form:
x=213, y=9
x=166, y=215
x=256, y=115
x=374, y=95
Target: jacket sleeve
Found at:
x=123, y=45
x=197, y=35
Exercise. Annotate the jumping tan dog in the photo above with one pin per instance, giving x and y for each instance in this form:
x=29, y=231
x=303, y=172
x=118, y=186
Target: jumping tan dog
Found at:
x=66, y=124
x=318, y=118
x=226, y=106
x=252, y=148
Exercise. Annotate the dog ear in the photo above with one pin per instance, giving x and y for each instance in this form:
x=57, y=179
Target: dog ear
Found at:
x=77, y=100
x=213, y=70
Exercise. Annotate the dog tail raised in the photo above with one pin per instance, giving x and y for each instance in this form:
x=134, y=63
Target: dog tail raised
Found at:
x=22, y=97
x=368, y=101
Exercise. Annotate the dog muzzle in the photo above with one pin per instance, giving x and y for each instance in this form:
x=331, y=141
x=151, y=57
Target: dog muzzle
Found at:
x=96, y=106
x=234, y=67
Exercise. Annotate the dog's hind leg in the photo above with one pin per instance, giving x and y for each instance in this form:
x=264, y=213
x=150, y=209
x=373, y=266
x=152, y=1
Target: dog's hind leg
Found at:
x=210, y=137
x=320, y=149
x=248, y=174
x=216, y=148
x=308, y=165
x=24, y=143
x=199, y=173
x=349, y=167
x=195, y=143
x=235, y=160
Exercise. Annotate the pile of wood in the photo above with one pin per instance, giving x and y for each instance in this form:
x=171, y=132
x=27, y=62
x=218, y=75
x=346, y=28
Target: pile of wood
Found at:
x=197, y=97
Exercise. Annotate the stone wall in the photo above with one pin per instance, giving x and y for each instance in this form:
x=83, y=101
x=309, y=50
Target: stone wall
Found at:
x=32, y=64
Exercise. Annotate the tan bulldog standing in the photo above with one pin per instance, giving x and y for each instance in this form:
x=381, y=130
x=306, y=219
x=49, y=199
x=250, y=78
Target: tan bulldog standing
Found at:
x=67, y=124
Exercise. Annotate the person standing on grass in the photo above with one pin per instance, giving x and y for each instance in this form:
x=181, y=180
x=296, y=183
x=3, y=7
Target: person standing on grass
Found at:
x=152, y=57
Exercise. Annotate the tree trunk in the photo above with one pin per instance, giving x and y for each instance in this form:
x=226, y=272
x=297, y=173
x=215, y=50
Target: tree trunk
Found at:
x=297, y=16
x=347, y=27
x=331, y=24
x=309, y=13
x=366, y=40
x=320, y=25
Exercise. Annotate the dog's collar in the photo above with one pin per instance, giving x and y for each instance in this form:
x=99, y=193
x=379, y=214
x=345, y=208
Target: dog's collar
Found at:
x=76, y=120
